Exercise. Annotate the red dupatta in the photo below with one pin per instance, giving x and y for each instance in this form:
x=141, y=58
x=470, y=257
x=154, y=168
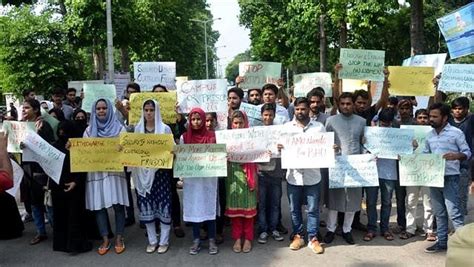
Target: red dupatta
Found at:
x=201, y=135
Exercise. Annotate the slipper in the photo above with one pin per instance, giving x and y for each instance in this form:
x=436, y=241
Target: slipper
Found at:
x=120, y=249
x=237, y=248
x=103, y=250
x=388, y=236
x=369, y=236
x=431, y=237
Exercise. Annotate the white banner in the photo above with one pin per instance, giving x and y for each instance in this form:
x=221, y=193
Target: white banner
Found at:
x=308, y=151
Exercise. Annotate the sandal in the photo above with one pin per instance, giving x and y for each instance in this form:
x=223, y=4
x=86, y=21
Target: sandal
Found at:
x=405, y=235
x=120, y=249
x=369, y=236
x=237, y=248
x=388, y=236
x=103, y=250
x=431, y=237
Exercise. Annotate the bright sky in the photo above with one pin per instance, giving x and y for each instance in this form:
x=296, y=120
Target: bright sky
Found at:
x=234, y=37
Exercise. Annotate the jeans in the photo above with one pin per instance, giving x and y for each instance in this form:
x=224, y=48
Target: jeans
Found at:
x=38, y=217
x=464, y=179
x=386, y=192
x=371, y=194
x=400, y=195
x=211, y=229
x=102, y=220
x=296, y=197
x=445, y=202
x=269, y=196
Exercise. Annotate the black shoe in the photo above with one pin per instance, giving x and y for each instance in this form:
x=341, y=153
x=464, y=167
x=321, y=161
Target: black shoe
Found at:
x=282, y=229
x=435, y=248
x=348, y=238
x=359, y=226
x=319, y=236
x=329, y=237
x=178, y=232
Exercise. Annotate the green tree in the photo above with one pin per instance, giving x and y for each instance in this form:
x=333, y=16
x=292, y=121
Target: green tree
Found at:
x=232, y=69
x=34, y=52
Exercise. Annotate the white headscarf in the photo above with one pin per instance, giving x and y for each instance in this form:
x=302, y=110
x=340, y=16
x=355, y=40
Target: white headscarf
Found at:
x=143, y=177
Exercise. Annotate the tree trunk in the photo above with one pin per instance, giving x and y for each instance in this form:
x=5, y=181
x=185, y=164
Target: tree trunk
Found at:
x=322, y=44
x=416, y=27
x=343, y=33
x=98, y=56
x=125, y=58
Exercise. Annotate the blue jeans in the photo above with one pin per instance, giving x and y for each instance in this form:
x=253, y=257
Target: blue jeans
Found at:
x=371, y=194
x=102, y=220
x=269, y=200
x=211, y=229
x=296, y=197
x=464, y=179
x=38, y=217
x=446, y=202
x=387, y=187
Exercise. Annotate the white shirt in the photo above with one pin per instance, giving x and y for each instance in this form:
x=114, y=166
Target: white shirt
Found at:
x=301, y=177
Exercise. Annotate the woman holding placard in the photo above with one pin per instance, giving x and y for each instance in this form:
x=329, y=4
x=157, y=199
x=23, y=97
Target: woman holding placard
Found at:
x=200, y=193
x=106, y=189
x=241, y=202
x=153, y=186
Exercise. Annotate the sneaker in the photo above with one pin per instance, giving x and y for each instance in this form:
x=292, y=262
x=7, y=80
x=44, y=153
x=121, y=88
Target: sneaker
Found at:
x=348, y=237
x=277, y=236
x=262, y=238
x=151, y=248
x=329, y=237
x=162, y=249
x=297, y=242
x=315, y=246
x=195, y=248
x=213, y=249
x=435, y=248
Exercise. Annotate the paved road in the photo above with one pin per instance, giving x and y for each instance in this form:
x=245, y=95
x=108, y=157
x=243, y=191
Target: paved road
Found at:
x=375, y=253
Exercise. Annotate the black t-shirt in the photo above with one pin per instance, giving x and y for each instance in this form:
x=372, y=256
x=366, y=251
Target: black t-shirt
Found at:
x=368, y=114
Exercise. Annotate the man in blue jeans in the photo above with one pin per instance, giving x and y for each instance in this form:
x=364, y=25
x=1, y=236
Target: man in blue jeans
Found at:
x=450, y=142
x=269, y=188
x=304, y=184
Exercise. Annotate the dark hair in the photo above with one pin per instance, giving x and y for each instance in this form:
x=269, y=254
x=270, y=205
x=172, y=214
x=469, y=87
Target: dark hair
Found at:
x=421, y=111
x=58, y=91
x=444, y=96
x=254, y=89
x=213, y=114
x=387, y=115
x=236, y=114
x=301, y=100
x=320, y=89
x=347, y=95
x=405, y=102
x=149, y=102
x=239, y=92
x=362, y=93
x=35, y=105
x=135, y=86
x=315, y=92
x=27, y=92
x=71, y=90
x=268, y=106
x=59, y=114
x=443, y=108
x=159, y=86
x=270, y=86
x=461, y=101
x=393, y=100
x=77, y=111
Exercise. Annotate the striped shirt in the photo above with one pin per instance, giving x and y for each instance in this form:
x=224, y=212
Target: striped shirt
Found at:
x=450, y=139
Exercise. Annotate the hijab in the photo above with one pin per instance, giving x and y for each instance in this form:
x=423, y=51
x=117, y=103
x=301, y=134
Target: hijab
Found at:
x=249, y=168
x=108, y=127
x=143, y=177
x=201, y=135
x=81, y=125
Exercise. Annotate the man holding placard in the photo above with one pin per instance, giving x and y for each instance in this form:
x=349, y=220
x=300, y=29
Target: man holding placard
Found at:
x=304, y=184
x=349, y=131
x=450, y=142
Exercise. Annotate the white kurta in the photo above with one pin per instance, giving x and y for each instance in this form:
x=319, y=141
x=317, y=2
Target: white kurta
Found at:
x=199, y=198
